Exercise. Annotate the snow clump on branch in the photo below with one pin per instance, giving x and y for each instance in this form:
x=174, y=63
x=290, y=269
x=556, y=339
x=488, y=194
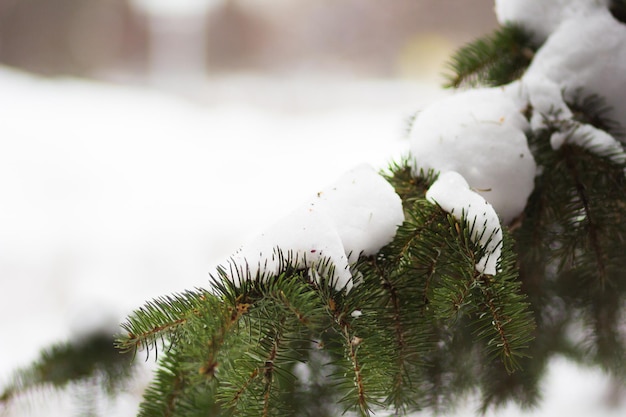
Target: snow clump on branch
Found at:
x=358, y=214
x=481, y=135
x=542, y=17
x=477, y=138
x=583, y=52
x=586, y=54
x=453, y=194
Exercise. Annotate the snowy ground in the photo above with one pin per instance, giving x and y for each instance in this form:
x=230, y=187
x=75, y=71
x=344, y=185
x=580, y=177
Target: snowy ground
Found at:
x=110, y=196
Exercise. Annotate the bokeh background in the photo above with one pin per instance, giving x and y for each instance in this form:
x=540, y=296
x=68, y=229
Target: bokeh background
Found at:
x=126, y=39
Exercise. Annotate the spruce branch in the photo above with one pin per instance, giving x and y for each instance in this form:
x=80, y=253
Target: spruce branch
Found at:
x=159, y=320
x=571, y=243
x=408, y=186
x=594, y=110
x=283, y=314
x=493, y=60
x=436, y=254
x=240, y=343
x=187, y=368
x=507, y=324
x=256, y=389
x=401, y=382
x=590, y=223
x=90, y=359
x=494, y=304
x=587, y=228
x=359, y=392
x=161, y=397
x=573, y=222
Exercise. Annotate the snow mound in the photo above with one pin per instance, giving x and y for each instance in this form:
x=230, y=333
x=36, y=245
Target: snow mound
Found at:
x=586, y=54
x=542, y=17
x=358, y=214
x=453, y=194
x=479, y=134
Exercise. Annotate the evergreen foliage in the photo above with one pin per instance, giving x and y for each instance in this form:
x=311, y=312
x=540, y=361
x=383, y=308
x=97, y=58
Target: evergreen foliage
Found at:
x=593, y=110
x=423, y=327
x=91, y=361
x=571, y=245
x=395, y=341
x=492, y=60
x=569, y=240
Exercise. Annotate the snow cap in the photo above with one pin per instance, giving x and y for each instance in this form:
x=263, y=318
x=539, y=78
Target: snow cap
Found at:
x=591, y=138
x=479, y=134
x=358, y=214
x=573, y=62
x=364, y=208
x=453, y=194
x=542, y=17
x=586, y=54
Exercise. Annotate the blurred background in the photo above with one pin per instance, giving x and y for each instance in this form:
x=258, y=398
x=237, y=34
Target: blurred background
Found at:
x=143, y=141
x=138, y=40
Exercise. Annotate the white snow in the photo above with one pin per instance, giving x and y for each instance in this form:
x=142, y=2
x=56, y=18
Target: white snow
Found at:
x=305, y=237
x=586, y=55
x=479, y=134
x=545, y=98
x=110, y=196
x=453, y=194
x=542, y=17
x=358, y=214
x=364, y=208
x=573, y=62
x=591, y=138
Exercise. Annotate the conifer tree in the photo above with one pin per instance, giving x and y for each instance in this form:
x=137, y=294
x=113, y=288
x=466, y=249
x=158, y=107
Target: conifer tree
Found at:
x=497, y=243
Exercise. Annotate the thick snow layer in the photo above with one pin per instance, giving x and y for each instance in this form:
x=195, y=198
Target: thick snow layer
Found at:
x=304, y=237
x=569, y=65
x=358, y=214
x=587, y=55
x=545, y=98
x=542, y=17
x=453, y=194
x=364, y=208
x=479, y=134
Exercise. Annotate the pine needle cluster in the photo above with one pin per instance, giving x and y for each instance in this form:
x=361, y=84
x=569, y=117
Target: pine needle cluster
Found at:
x=493, y=60
x=399, y=340
x=571, y=245
x=570, y=239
